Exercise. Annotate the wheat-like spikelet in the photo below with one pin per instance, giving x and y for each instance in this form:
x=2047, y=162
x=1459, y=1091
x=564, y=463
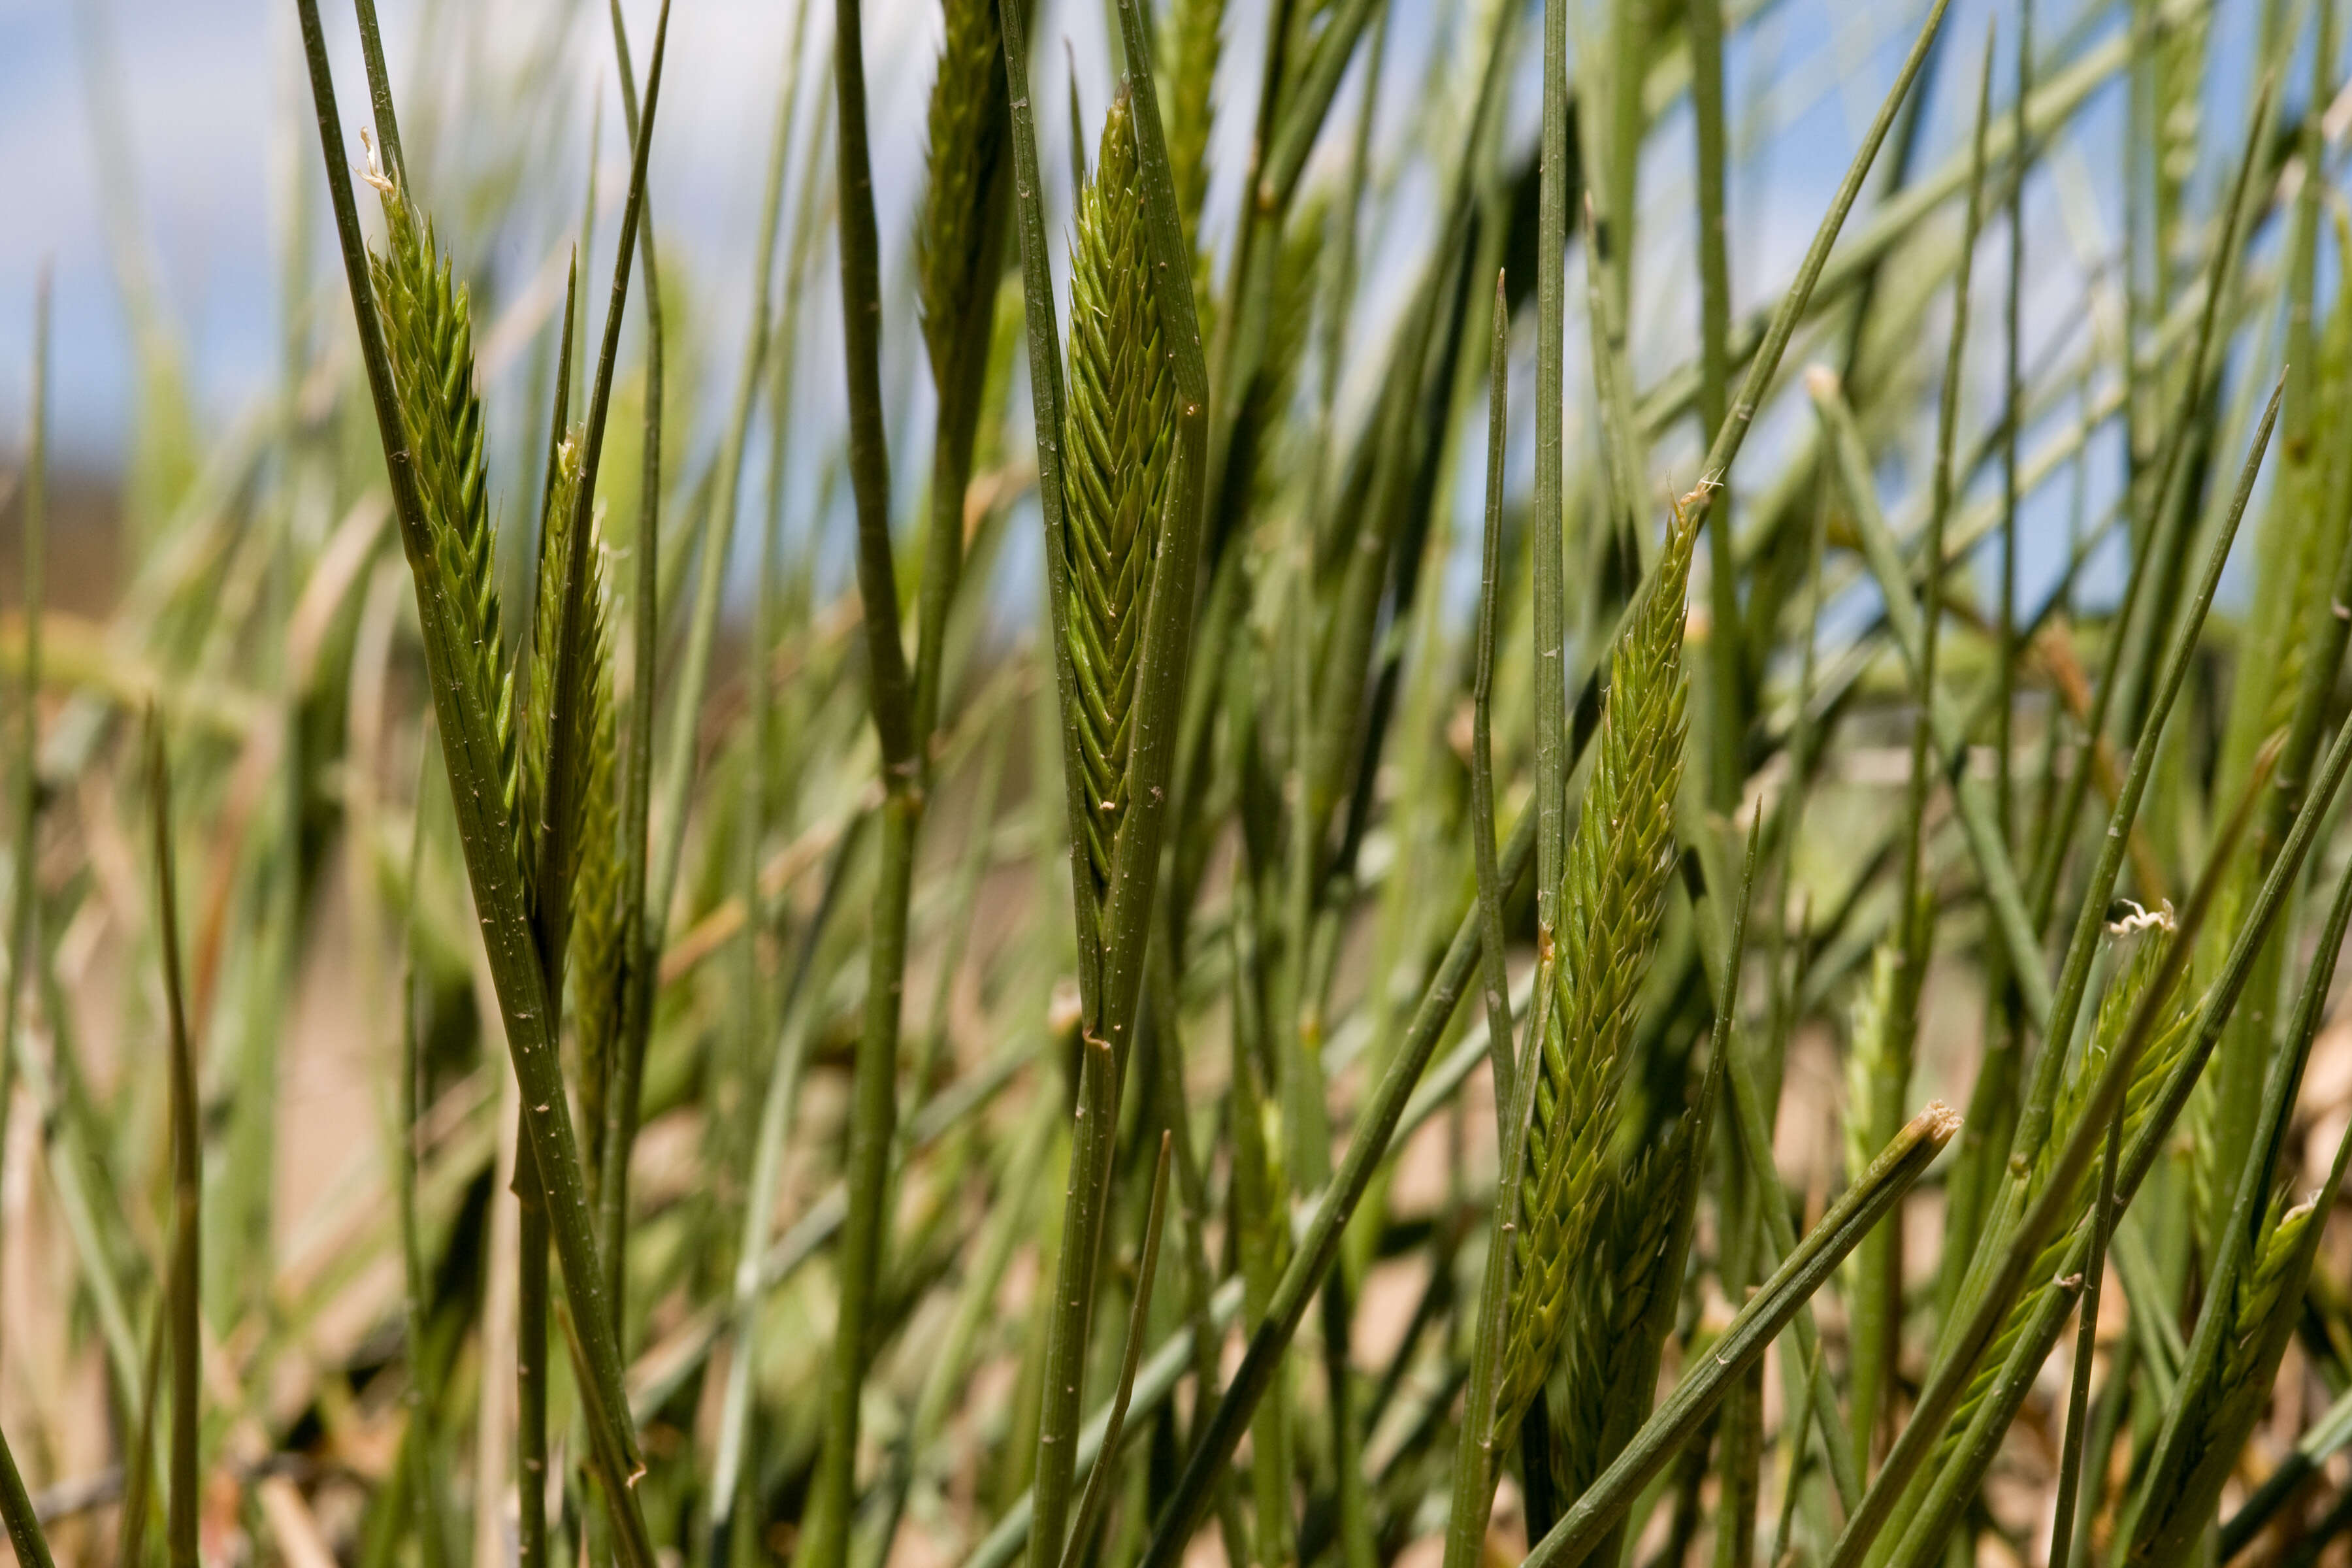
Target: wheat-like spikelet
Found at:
x=2260, y=1295
x=2157, y=1057
x=1634, y=1232
x=1118, y=442
x=555, y=547
x=1614, y=897
x=955, y=260
x=428, y=337
x=597, y=926
x=2178, y=1505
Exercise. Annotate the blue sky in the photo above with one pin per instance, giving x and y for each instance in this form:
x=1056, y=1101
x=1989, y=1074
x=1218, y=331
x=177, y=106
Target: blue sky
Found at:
x=214, y=113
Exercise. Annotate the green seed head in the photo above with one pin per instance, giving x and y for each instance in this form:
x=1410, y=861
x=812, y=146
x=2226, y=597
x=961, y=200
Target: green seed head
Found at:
x=1118, y=440
x=1614, y=898
x=428, y=333
x=954, y=267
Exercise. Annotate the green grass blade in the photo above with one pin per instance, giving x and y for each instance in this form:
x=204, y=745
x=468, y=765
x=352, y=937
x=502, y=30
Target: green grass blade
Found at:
x=645, y=891
x=24, y=1533
x=1494, y=979
x=1728, y=699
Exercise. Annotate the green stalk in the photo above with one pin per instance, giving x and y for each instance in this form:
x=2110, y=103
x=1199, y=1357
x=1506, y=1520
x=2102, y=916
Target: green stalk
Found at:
x=139, y=1483
x=1492, y=975
x=187, y=1177
x=1625, y=1358
x=1477, y=1452
x=777, y=1100
x=1155, y=1383
x=420, y=1440
x=1319, y=1247
x=1097, y=1495
x=387, y=123
x=23, y=924
x=2218, y=1394
x=825, y=1542
x=2070, y=1453
x=2127, y=653
x=756, y=1018
x=1047, y=394
x=2170, y=514
x=1759, y=1323
x=1622, y=465
x=1752, y=1125
x=24, y=1533
x=1727, y=706
x=2318, y=1443
x=1878, y=1310
x=1766, y=361
x=2012, y=378
x=530, y=1360
x=1549, y=583
x=556, y=860
x=2033, y=1121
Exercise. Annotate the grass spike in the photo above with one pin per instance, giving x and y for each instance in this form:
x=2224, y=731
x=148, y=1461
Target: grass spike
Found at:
x=1614, y=895
x=1118, y=443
